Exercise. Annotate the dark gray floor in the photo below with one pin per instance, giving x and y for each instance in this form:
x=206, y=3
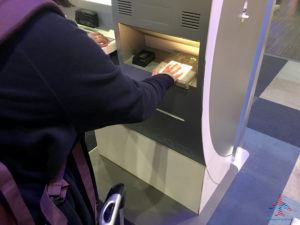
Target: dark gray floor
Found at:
x=269, y=69
x=276, y=120
x=285, y=31
x=270, y=118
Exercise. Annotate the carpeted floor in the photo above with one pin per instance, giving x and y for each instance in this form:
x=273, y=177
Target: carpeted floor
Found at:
x=273, y=141
x=276, y=109
x=285, y=33
x=258, y=185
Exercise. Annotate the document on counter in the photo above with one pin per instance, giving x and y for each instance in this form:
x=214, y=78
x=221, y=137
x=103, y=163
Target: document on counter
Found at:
x=110, y=35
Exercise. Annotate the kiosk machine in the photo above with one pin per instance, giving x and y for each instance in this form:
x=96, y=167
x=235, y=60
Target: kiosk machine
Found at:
x=190, y=147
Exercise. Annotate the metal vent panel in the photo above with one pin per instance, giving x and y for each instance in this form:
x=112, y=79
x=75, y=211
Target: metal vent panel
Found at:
x=125, y=7
x=190, y=20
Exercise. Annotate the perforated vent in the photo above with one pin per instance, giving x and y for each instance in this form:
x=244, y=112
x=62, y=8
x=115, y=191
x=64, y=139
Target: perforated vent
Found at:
x=125, y=7
x=190, y=20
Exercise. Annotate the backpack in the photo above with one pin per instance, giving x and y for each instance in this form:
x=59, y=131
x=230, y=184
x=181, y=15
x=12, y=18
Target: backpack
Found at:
x=15, y=210
x=14, y=14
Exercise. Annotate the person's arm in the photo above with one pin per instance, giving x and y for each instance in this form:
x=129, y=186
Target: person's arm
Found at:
x=91, y=90
x=100, y=39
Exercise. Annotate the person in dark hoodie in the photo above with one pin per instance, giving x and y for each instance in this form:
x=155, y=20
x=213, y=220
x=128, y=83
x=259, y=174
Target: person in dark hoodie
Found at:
x=55, y=84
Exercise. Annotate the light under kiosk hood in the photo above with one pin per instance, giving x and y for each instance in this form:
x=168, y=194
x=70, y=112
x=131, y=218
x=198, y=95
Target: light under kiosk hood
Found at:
x=165, y=49
x=167, y=32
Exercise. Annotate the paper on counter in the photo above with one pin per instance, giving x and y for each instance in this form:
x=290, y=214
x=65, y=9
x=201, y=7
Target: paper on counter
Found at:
x=184, y=69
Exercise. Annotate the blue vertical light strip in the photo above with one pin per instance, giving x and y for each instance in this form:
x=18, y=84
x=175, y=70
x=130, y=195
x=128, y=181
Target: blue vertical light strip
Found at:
x=251, y=86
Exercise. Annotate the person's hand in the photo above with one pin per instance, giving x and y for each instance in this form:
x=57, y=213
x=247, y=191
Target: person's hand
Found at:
x=173, y=70
x=99, y=39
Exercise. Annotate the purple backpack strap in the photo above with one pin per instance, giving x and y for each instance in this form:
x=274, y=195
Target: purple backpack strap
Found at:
x=86, y=177
x=14, y=13
x=5, y=217
x=14, y=200
x=18, y=212
x=55, y=192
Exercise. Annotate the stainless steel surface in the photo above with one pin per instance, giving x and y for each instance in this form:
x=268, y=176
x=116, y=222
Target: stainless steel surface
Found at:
x=115, y=200
x=234, y=62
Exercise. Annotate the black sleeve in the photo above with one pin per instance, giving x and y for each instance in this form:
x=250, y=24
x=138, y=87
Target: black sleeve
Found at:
x=91, y=90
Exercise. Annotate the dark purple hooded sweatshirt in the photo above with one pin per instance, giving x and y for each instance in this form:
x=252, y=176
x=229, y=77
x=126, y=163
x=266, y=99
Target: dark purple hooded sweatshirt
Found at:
x=55, y=84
